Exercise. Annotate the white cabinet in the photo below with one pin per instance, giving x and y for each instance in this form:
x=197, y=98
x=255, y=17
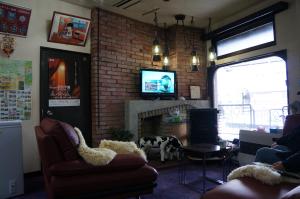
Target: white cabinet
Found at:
x=11, y=161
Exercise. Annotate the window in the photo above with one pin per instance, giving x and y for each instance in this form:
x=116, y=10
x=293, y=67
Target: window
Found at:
x=251, y=94
x=258, y=36
x=252, y=32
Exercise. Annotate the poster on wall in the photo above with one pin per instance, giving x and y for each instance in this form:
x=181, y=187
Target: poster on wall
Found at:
x=14, y=19
x=64, y=85
x=15, y=89
x=69, y=29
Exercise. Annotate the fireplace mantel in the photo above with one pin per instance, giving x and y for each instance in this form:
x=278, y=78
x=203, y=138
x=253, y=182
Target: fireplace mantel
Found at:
x=134, y=107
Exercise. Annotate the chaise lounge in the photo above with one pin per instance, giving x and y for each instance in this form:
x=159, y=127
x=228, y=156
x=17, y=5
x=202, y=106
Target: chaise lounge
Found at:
x=66, y=175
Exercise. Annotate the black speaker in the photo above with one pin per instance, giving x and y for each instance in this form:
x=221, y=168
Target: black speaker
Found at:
x=203, y=126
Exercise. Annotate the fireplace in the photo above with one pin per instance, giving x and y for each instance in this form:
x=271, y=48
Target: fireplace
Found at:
x=151, y=126
x=157, y=111
x=163, y=125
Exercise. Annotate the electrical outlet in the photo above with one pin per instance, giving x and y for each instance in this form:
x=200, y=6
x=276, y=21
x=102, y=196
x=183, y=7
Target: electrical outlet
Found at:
x=12, y=186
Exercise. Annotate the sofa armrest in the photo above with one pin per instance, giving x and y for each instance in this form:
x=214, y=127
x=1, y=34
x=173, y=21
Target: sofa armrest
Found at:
x=293, y=194
x=121, y=162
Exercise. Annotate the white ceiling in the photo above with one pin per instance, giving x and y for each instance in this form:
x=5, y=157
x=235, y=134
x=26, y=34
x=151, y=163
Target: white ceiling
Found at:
x=200, y=9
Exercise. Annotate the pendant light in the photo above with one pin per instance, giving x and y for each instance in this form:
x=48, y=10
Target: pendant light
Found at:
x=194, y=56
x=166, y=61
x=211, y=51
x=156, y=50
x=194, y=61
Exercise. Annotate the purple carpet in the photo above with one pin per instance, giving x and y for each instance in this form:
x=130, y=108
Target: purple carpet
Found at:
x=168, y=186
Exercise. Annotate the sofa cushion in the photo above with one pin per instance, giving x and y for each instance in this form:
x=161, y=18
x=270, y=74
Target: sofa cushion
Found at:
x=121, y=162
x=293, y=194
x=54, y=128
x=72, y=135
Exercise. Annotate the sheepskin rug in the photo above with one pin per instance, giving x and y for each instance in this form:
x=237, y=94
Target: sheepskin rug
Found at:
x=94, y=156
x=262, y=173
x=106, y=151
x=123, y=147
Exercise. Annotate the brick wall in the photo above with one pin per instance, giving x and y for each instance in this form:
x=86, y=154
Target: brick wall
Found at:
x=120, y=47
x=180, y=51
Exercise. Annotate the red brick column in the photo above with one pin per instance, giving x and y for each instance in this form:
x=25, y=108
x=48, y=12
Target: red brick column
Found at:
x=120, y=47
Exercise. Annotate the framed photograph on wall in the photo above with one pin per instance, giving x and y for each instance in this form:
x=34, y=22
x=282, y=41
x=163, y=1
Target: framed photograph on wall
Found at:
x=69, y=29
x=195, y=92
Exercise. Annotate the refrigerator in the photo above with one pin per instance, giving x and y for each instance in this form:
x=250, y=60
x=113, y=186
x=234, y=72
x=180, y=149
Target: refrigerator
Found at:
x=11, y=159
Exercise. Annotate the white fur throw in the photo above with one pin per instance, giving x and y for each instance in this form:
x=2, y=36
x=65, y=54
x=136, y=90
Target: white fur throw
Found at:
x=123, y=147
x=94, y=156
x=107, y=150
x=264, y=174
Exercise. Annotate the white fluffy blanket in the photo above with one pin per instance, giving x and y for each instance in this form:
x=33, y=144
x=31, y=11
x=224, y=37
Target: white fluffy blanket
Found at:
x=122, y=147
x=94, y=156
x=264, y=174
x=107, y=150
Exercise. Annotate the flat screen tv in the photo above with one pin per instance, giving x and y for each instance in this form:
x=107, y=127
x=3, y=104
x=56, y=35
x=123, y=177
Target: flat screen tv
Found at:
x=158, y=83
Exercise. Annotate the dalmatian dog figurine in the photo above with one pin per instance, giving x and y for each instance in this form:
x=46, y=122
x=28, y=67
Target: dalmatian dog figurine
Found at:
x=169, y=146
x=172, y=148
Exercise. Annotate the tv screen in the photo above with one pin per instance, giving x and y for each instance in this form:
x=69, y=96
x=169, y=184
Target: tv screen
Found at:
x=158, y=83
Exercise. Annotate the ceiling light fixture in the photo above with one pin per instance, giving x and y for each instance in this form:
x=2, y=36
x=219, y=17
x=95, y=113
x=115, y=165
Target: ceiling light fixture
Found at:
x=180, y=17
x=156, y=50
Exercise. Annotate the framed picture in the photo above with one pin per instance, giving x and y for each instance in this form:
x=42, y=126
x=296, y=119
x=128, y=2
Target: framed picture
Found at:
x=69, y=29
x=14, y=20
x=195, y=92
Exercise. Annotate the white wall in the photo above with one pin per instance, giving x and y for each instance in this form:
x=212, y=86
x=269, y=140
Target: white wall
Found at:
x=29, y=49
x=287, y=25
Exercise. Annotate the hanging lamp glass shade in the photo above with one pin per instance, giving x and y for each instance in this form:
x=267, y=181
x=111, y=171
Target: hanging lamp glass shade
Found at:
x=212, y=54
x=166, y=62
x=156, y=50
x=194, y=61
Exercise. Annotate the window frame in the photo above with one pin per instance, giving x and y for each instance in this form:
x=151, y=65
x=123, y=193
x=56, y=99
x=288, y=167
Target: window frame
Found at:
x=211, y=71
x=241, y=29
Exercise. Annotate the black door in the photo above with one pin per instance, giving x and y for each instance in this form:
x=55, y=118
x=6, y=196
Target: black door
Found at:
x=65, y=88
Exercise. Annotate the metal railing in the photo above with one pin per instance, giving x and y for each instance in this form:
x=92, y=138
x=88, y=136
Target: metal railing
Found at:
x=233, y=117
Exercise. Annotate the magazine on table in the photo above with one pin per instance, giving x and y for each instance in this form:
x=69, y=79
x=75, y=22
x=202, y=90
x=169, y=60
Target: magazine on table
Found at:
x=282, y=172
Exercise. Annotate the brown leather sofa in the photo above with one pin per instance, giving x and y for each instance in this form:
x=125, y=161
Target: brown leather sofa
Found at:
x=249, y=188
x=66, y=175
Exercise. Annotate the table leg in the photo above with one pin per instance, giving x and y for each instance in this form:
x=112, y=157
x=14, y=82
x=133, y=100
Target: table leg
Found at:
x=182, y=173
x=204, y=173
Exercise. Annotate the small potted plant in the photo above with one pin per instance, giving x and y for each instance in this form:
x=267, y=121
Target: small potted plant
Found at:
x=120, y=134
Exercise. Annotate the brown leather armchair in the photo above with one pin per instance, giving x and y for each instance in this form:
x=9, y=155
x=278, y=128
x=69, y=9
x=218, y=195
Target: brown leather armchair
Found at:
x=66, y=175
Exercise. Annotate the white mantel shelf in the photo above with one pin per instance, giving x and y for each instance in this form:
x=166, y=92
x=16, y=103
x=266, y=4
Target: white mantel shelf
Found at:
x=134, y=107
